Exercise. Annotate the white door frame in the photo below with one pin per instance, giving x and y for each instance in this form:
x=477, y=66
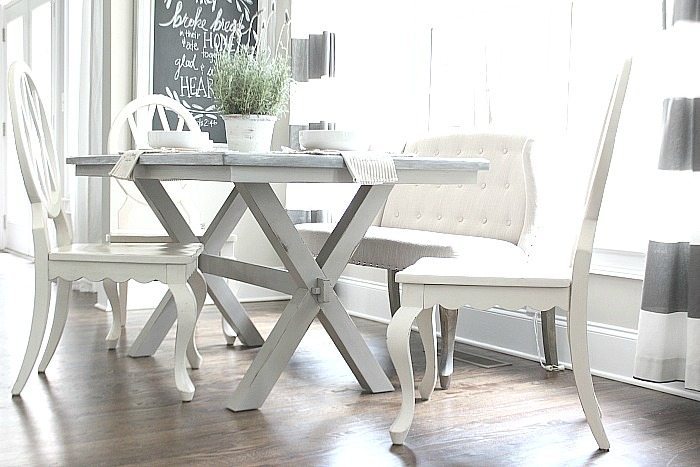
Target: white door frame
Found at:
x=9, y=12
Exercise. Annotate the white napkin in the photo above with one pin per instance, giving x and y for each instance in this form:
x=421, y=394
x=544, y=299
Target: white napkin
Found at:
x=124, y=168
x=370, y=168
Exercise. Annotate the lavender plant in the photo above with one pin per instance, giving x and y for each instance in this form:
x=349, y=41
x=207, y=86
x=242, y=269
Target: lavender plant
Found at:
x=251, y=81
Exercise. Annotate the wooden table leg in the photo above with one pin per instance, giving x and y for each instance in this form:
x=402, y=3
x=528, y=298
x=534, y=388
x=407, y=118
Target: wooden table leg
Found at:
x=315, y=279
x=213, y=239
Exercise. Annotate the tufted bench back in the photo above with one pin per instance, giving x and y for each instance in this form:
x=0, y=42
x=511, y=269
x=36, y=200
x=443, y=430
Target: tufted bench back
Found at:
x=500, y=205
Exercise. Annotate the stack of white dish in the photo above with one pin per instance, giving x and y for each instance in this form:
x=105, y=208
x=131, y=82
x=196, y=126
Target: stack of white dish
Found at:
x=180, y=140
x=333, y=140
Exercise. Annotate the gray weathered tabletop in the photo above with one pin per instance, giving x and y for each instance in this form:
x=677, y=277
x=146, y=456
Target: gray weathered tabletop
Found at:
x=276, y=167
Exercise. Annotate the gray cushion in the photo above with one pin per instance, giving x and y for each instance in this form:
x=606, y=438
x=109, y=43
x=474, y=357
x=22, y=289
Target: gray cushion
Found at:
x=397, y=248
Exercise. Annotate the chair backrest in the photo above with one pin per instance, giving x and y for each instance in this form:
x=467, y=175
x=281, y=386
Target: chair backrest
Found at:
x=596, y=188
x=138, y=116
x=500, y=206
x=38, y=160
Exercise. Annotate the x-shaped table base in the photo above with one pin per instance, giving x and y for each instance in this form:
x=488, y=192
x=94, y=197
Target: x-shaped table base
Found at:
x=163, y=318
x=314, y=295
x=310, y=281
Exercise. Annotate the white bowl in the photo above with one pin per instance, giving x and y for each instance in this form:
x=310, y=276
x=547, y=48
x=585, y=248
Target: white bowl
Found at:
x=333, y=139
x=179, y=139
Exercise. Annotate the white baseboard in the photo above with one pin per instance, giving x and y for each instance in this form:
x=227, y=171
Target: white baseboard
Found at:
x=247, y=293
x=147, y=296
x=611, y=348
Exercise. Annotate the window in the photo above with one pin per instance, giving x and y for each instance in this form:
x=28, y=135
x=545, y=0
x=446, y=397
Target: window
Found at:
x=539, y=67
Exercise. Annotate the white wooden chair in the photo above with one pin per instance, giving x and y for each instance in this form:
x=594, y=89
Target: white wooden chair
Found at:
x=63, y=261
x=507, y=283
x=132, y=124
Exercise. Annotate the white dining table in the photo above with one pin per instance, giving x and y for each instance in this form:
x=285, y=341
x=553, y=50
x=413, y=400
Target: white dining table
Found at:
x=308, y=280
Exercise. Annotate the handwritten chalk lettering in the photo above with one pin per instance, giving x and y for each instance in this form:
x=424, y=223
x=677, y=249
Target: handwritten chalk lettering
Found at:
x=190, y=34
x=187, y=36
x=190, y=45
x=220, y=24
x=208, y=123
x=180, y=20
x=207, y=3
x=195, y=86
x=186, y=63
x=219, y=41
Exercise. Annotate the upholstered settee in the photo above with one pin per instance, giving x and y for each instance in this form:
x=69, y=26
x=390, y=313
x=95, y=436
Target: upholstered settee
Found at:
x=491, y=220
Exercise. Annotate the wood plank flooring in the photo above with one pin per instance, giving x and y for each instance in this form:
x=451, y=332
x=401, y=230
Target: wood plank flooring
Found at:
x=99, y=407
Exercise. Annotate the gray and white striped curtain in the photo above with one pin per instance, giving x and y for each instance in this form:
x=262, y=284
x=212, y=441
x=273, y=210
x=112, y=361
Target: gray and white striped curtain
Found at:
x=668, y=345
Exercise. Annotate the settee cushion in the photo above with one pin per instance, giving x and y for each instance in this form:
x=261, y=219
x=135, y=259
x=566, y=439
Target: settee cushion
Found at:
x=506, y=272
x=398, y=248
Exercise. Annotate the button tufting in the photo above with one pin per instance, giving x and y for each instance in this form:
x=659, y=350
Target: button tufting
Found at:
x=437, y=153
x=459, y=152
x=505, y=150
x=418, y=216
x=484, y=220
x=481, y=150
x=396, y=214
x=483, y=186
x=439, y=217
x=460, y=219
x=460, y=186
x=507, y=185
x=508, y=223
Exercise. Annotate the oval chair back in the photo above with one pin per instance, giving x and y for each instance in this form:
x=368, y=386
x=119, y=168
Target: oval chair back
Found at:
x=38, y=161
x=138, y=116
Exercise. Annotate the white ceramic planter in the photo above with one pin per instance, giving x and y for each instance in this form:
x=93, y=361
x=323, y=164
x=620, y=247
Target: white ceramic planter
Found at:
x=249, y=133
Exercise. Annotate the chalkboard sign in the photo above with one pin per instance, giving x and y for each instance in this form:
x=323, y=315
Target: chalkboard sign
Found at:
x=186, y=36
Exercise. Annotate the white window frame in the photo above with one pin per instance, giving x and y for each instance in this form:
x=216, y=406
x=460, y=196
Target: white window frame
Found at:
x=628, y=264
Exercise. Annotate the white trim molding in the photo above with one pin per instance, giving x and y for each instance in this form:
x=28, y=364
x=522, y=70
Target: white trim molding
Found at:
x=618, y=263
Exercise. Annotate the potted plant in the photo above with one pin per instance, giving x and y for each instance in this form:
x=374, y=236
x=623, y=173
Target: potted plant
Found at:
x=251, y=89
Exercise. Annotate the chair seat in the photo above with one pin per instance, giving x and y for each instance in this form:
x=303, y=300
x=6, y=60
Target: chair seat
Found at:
x=136, y=253
x=497, y=272
x=398, y=248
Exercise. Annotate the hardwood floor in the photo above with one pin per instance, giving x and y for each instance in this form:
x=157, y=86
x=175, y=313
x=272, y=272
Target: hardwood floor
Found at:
x=101, y=407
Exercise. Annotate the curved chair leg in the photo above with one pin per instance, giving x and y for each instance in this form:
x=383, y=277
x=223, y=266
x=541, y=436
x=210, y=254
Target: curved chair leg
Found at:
x=398, y=335
x=199, y=288
x=426, y=327
x=229, y=333
x=113, y=296
x=578, y=344
x=448, y=327
x=186, y=319
x=42, y=298
x=123, y=299
x=60, y=315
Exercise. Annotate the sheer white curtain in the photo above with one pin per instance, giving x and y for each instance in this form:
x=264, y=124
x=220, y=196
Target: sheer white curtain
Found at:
x=92, y=111
x=88, y=97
